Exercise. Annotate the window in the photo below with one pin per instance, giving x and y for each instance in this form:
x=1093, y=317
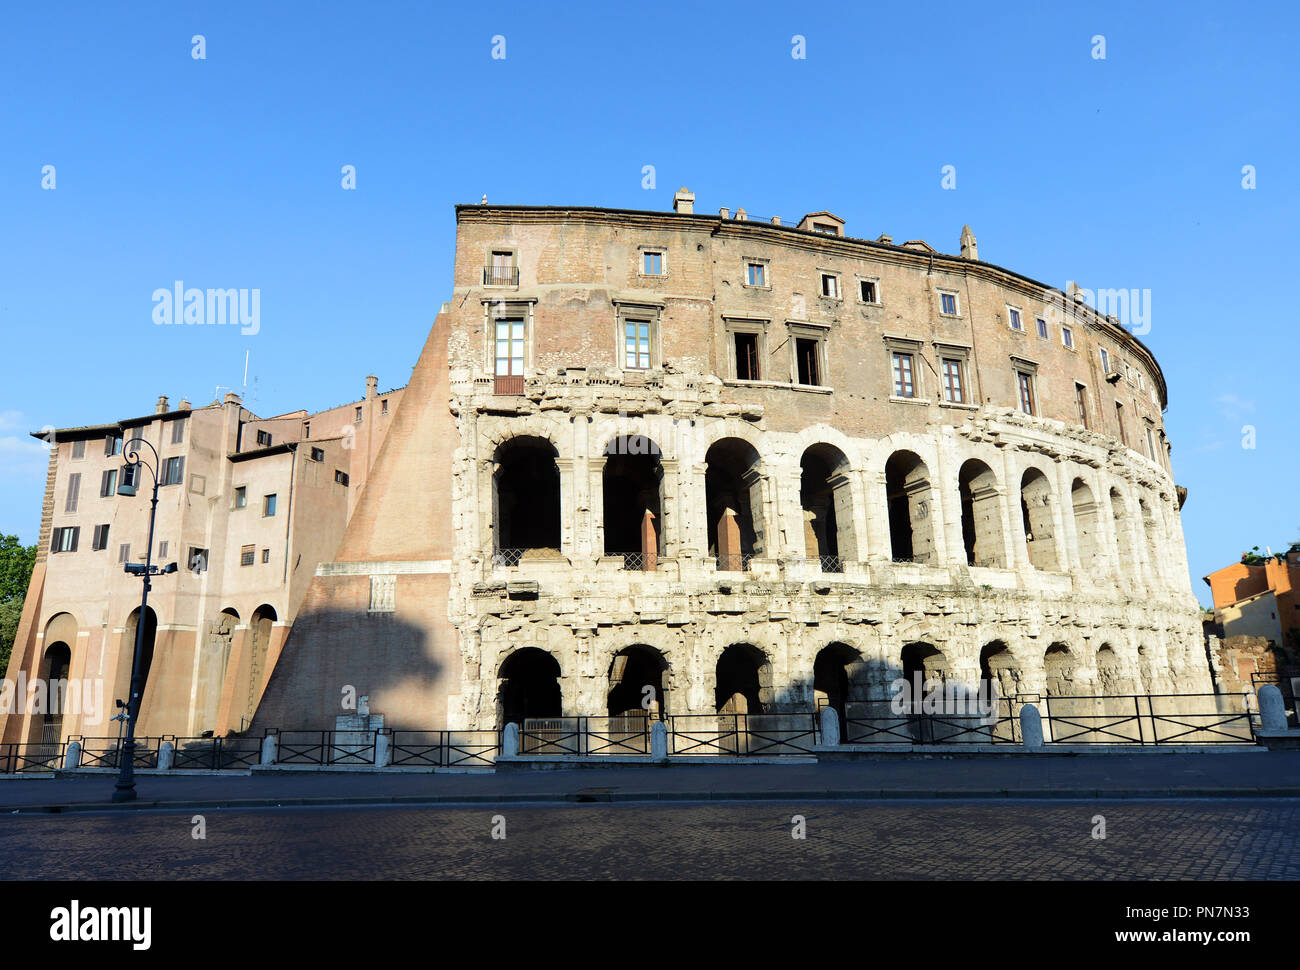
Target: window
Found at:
x=357, y=419
x=1081, y=400
x=1067, y=338
x=1105, y=361
x=197, y=559
x=826, y=228
x=1013, y=315
x=124, y=553
x=178, y=431
x=306, y=429
x=112, y=445
x=264, y=438
x=1151, y=443
x=162, y=550
x=100, y=540
x=509, y=348
x=953, y=391
x=747, y=368
x=173, y=471
x=636, y=344
x=830, y=286
x=904, y=380
x=74, y=492
x=383, y=406
x=502, y=271
x=268, y=504
x=246, y=554
x=241, y=497
x=1119, y=419
x=108, y=483
x=807, y=353
x=318, y=454
x=340, y=478
x=1026, y=385
x=266, y=555
x=652, y=264
x=756, y=274
x=79, y=449
x=1042, y=328
x=867, y=291
x=948, y=304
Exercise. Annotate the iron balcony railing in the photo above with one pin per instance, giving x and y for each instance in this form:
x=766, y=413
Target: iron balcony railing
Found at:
x=500, y=275
x=734, y=563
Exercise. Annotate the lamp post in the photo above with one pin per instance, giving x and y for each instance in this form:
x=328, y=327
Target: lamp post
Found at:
x=124, y=791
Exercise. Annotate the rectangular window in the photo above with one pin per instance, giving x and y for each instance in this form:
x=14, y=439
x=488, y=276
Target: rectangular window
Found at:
x=1026, y=383
x=1151, y=443
x=1014, y=316
x=108, y=483
x=1119, y=419
x=178, y=431
x=953, y=392
x=246, y=554
x=65, y=539
x=383, y=406
x=948, y=304
x=264, y=439
x=266, y=555
x=197, y=560
x=79, y=448
x=1081, y=399
x=830, y=286
x=306, y=429
x=241, y=496
x=904, y=382
x=358, y=415
x=1067, y=338
x=162, y=550
x=340, y=478
x=757, y=274
x=652, y=264
x=747, y=357
x=124, y=553
x=868, y=290
x=636, y=344
x=510, y=348
x=1042, y=328
x=268, y=504
x=1105, y=361
x=318, y=454
x=100, y=540
x=74, y=492
x=173, y=471
x=112, y=445
x=807, y=352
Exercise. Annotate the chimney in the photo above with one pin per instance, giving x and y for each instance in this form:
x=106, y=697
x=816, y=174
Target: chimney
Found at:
x=231, y=398
x=684, y=201
x=969, y=249
x=741, y=215
x=776, y=220
x=162, y=407
x=184, y=405
x=724, y=213
x=372, y=386
x=889, y=240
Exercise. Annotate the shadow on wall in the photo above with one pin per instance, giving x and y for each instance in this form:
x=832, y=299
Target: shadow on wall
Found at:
x=331, y=655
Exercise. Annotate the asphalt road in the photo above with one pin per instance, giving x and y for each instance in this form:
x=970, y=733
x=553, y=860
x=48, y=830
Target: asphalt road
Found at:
x=959, y=840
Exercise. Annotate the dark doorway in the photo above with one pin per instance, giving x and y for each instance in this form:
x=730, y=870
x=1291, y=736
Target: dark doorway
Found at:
x=527, y=487
x=635, y=674
x=530, y=686
x=738, y=682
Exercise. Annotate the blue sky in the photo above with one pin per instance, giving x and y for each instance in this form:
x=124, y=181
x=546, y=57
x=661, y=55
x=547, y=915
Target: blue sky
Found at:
x=225, y=172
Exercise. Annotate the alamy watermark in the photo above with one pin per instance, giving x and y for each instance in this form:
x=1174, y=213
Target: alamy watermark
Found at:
x=82, y=696
x=194, y=307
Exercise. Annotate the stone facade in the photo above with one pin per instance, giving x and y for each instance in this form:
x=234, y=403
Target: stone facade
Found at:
x=702, y=463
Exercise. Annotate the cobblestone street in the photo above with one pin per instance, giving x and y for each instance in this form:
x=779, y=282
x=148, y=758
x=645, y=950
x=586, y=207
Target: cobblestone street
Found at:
x=957, y=840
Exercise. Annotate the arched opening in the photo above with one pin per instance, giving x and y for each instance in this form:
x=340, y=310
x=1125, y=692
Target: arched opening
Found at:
x=633, y=499
x=1059, y=672
x=1036, y=514
x=54, y=672
x=833, y=681
x=907, y=489
x=129, y=634
x=529, y=687
x=526, y=500
x=827, y=501
x=925, y=668
x=734, y=503
x=739, y=687
x=259, y=648
x=636, y=683
x=999, y=671
x=981, y=515
x=1128, y=555
x=1111, y=677
x=213, y=667
x=1087, y=528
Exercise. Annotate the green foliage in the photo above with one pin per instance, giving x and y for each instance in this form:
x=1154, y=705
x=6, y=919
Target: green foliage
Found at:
x=11, y=612
x=16, y=562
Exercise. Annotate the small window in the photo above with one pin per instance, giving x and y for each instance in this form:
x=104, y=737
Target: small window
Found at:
x=268, y=504
x=358, y=415
x=79, y=448
x=509, y=352
x=162, y=550
x=807, y=352
x=1026, y=384
x=904, y=378
x=830, y=286
x=1105, y=361
x=636, y=344
x=266, y=555
x=173, y=471
x=747, y=357
x=318, y=454
x=1013, y=315
x=340, y=478
x=1151, y=443
x=112, y=445
x=197, y=560
x=264, y=439
x=178, y=431
x=502, y=272
x=124, y=553
x=1042, y=328
x=954, y=391
x=306, y=429
x=108, y=483
x=948, y=304
x=383, y=406
x=100, y=540
x=246, y=554
x=1067, y=338
x=1081, y=399
x=652, y=264
x=74, y=492
x=867, y=290
x=241, y=497
x=756, y=274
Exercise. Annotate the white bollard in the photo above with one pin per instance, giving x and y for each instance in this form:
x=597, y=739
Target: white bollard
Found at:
x=72, y=757
x=830, y=725
x=1272, y=712
x=166, y=756
x=659, y=742
x=1031, y=727
x=510, y=740
x=383, y=749
x=270, y=746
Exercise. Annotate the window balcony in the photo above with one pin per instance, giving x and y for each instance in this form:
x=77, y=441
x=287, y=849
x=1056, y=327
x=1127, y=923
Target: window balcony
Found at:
x=509, y=384
x=500, y=275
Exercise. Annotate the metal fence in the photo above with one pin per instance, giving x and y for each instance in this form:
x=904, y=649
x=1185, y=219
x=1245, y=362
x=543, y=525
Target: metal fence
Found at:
x=324, y=747
x=1151, y=719
x=888, y=722
x=445, y=749
x=215, y=754
x=107, y=752
x=18, y=756
x=742, y=734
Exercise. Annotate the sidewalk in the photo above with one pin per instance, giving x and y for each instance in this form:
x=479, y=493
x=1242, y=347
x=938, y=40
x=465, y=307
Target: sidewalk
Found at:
x=1250, y=774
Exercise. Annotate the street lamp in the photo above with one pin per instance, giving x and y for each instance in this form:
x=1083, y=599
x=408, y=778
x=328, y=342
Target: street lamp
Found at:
x=124, y=791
